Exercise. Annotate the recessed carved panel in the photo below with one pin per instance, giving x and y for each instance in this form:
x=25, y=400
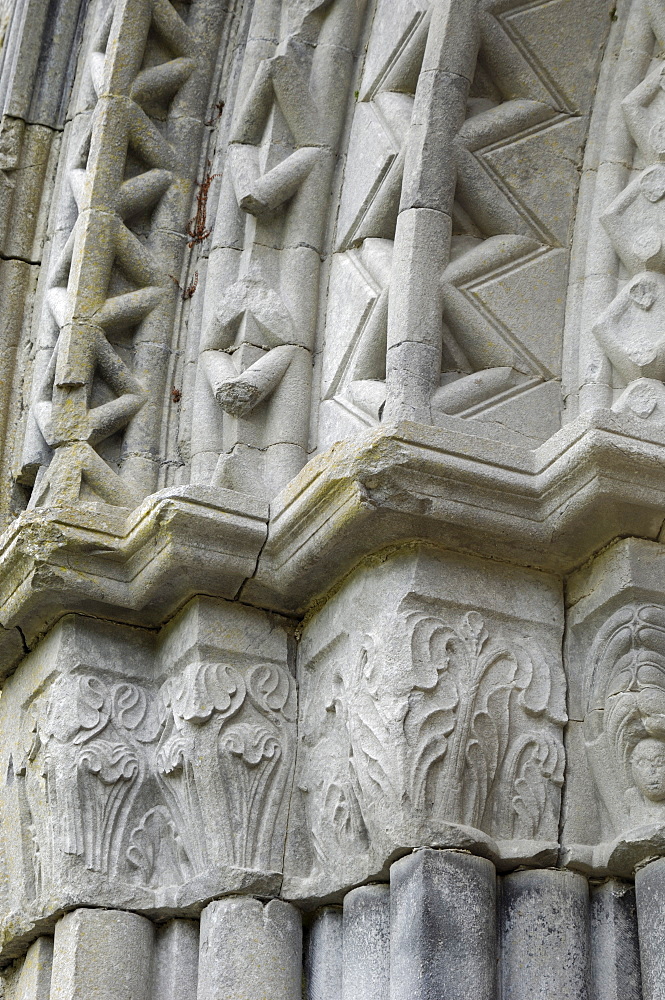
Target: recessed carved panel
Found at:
x=512, y=166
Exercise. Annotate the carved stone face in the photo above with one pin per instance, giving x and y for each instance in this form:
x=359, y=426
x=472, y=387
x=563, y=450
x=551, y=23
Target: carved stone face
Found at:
x=648, y=767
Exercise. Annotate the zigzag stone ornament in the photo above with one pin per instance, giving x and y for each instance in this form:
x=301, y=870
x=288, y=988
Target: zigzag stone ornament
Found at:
x=106, y=284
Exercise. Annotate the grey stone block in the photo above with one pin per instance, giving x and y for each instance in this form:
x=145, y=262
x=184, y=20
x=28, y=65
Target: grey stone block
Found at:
x=34, y=980
x=650, y=896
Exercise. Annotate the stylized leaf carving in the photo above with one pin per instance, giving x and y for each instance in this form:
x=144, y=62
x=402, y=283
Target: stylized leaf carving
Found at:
x=249, y=756
x=156, y=850
x=206, y=689
x=271, y=689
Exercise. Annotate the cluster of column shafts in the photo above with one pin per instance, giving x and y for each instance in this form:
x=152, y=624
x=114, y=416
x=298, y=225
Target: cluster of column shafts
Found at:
x=443, y=926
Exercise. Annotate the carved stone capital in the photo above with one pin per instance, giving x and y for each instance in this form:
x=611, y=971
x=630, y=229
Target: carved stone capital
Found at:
x=614, y=804
x=146, y=770
x=431, y=711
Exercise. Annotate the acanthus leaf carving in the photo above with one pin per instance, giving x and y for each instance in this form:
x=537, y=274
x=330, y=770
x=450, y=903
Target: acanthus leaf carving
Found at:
x=93, y=763
x=156, y=849
x=462, y=730
x=225, y=746
x=158, y=785
x=535, y=772
x=207, y=689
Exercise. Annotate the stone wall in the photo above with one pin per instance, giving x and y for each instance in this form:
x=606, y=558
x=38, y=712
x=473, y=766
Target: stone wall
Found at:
x=332, y=438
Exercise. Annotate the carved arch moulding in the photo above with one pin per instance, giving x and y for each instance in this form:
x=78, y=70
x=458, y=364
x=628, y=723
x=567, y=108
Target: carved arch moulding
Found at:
x=306, y=294
x=282, y=227
x=249, y=259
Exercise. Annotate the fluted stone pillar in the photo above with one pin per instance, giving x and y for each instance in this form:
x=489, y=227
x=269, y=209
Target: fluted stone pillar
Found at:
x=443, y=927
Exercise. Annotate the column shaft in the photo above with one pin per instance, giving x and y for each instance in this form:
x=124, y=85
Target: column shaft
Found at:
x=443, y=927
x=176, y=960
x=367, y=943
x=615, y=955
x=650, y=896
x=250, y=951
x=544, y=936
x=323, y=955
x=105, y=954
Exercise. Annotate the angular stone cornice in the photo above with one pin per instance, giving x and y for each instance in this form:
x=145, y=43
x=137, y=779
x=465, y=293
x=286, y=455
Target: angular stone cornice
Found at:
x=599, y=478
x=137, y=569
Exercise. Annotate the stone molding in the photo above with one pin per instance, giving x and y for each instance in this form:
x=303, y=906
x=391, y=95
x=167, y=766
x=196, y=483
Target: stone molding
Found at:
x=138, y=568
x=536, y=508
x=392, y=487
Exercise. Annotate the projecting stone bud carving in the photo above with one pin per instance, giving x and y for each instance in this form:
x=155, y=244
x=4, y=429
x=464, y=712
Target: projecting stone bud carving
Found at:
x=632, y=328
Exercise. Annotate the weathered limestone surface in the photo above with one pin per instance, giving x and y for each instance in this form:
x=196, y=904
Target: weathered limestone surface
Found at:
x=431, y=697
x=615, y=956
x=324, y=958
x=148, y=769
x=332, y=499
x=443, y=926
x=544, y=935
x=366, y=942
x=250, y=950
